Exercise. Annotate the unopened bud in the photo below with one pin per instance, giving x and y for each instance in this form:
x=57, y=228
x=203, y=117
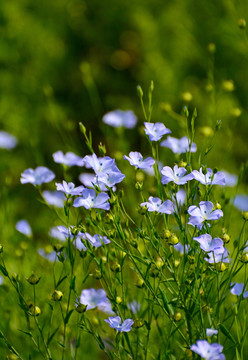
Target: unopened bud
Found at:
x=82, y=128
x=217, y=206
x=166, y=234
x=177, y=316
x=228, y=85
x=182, y=163
x=187, y=96
x=186, y=111
x=142, y=210
x=139, y=186
x=159, y=263
x=57, y=295
x=33, y=279
x=138, y=323
x=173, y=240
x=116, y=267
x=58, y=248
x=245, y=215
x=177, y=263
x=1, y=248
x=244, y=258
x=81, y=308
x=225, y=238
x=242, y=23
x=102, y=149
x=97, y=275
x=118, y=300
x=113, y=200
x=35, y=310
x=221, y=267
x=140, y=283
x=140, y=91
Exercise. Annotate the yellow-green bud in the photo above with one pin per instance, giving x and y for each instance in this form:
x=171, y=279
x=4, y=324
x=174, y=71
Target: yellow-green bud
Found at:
x=138, y=323
x=113, y=200
x=217, y=206
x=228, y=85
x=140, y=176
x=102, y=149
x=191, y=259
x=159, y=263
x=182, y=163
x=177, y=316
x=1, y=248
x=33, y=279
x=166, y=234
x=244, y=258
x=140, y=91
x=97, y=275
x=245, y=215
x=173, y=240
x=154, y=272
x=58, y=248
x=140, y=283
x=221, y=267
x=187, y=96
x=225, y=238
x=118, y=300
x=177, y=263
x=116, y=267
x=57, y=295
x=206, y=131
x=242, y=23
x=142, y=210
x=35, y=310
x=82, y=128
x=81, y=308
x=211, y=48
x=139, y=185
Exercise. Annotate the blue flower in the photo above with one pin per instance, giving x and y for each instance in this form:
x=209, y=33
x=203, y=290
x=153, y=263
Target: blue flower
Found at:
x=110, y=179
x=134, y=306
x=238, y=289
x=203, y=213
x=179, y=247
x=58, y=234
x=177, y=175
x=95, y=240
x=48, y=256
x=69, y=189
x=54, y=198
x=136, y=159
x=119, y=118
x=211, y=332
x=241, y=202
x=23, y=227
x=209, y=178
x=155, y=204
x=100, y=165
x=7, y=141
x=37, y=176
x=217, y=256
x=115, y=323
x=96, y=299
x=155, y=131
x=89, y=200
x=90, y=180
x=208, y=244
x=178, y=146
x=208, y=351
x=231, y=179
x=69, y=159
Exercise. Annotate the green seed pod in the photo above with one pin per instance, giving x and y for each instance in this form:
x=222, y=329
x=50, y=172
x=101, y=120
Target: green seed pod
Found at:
x=244, y=258
x=138, y=323
x=116, y=267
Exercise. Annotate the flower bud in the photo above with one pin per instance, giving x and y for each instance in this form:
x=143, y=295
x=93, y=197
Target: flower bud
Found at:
x=186, y=111
x=139, y=185
x=138, y=323
x=177, y=263
x=121, y=193
x=35, y=310
x=206, y=131
x=82, y=128
x=191, y=259
x=204, y=170
x=159, y=263
x=33, y=279
x=57, y=295
x=217, y=206
x=187, y=96
x=228, y=85
x=113, y=200
x=58, y=248
x=244, y=258
x=81, y=308
x=245, y=215
x=211, y=48
x=173, y=240
x=140, y=91
x=242, y=23
x=116, y=267
x=134, y=243
x=142, y=210
x=1, y=248
x=221, y=267
x=97, y=275
x=140, y=283
x=182, y=163
x=102, y=149
x=226, y=238
x=118, y=300
x=177, y=316
x=166, y=234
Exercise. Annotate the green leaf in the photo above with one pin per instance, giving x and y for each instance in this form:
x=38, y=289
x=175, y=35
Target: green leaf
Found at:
x=68, y=315
x=227, y=333
x=52, y=336
x=3, y=270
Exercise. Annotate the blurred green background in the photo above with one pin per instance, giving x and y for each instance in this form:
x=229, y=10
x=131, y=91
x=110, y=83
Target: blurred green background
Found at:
x=62, y=62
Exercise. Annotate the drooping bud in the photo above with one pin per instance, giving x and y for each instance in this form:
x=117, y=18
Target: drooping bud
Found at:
x=116, y=267
x=57, y=295
x=81, y=308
